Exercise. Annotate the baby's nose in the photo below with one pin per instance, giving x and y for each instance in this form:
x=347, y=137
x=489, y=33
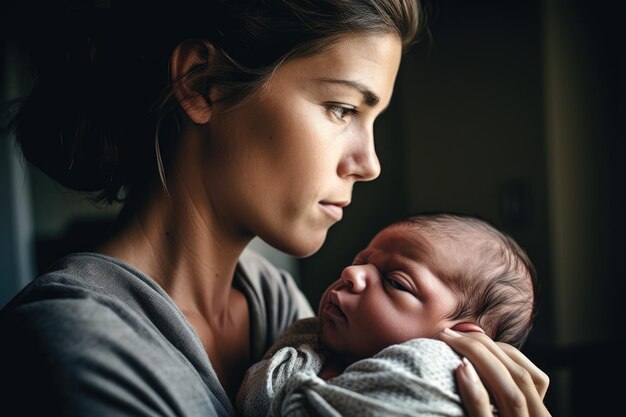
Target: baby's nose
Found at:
x=355, y=277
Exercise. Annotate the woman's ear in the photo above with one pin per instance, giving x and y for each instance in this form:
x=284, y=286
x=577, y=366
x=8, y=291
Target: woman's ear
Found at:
x=467, y=327
x=187, y=56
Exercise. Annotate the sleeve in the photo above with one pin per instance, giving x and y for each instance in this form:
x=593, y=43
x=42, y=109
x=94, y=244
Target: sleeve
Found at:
x=77, y=357
x=297, y=349
x=413, y=378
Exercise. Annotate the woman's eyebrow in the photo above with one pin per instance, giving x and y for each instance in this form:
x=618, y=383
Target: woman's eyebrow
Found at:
x=371, y=99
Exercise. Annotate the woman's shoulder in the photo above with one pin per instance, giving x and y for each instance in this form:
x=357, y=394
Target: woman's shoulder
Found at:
x=91, y=320
x=80, y=294
x=70, y=352
x=85, y=277
x=95, y=298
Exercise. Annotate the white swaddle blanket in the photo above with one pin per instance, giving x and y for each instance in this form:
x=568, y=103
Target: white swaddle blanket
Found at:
x=415, y=378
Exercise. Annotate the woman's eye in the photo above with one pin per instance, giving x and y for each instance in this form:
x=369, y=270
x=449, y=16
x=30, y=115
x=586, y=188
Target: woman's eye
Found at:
x=340, y=112
x=395, y=284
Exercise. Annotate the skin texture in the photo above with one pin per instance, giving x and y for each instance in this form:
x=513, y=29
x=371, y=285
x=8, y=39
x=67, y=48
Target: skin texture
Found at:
x=289, y=157
x=389, y=295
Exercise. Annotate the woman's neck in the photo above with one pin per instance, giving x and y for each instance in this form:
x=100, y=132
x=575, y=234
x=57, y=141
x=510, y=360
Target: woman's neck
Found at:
x=181, y=247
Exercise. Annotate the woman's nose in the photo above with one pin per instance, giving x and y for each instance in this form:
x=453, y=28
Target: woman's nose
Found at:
x=356, y=277
x=370, y=166
x=361, y=162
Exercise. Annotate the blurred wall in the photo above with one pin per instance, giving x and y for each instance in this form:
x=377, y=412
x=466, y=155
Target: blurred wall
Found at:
x=585, y=101
x=16, y=221
x=585, y=97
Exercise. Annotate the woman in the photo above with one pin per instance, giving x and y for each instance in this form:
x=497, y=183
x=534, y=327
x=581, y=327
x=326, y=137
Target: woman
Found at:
x=264, y=126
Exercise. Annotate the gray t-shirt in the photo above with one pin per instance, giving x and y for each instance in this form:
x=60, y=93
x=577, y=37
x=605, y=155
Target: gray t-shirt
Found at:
x=95, y=337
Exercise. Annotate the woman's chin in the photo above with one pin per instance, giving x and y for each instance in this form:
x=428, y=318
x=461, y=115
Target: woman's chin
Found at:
x=304, y=250
x=298, y=247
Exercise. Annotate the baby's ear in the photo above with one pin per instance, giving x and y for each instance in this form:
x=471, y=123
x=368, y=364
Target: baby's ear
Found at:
x=188, y=56
x=467, y=327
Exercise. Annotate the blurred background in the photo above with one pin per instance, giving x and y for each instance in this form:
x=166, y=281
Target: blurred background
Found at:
x=513, y=111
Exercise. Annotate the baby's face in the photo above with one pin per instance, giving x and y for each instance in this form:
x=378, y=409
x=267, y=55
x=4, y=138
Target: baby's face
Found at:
x=389, y=295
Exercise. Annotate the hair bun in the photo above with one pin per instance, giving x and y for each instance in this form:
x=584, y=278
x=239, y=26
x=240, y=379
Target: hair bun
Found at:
x=65, y=143
x=72, y=123
x=65, y=124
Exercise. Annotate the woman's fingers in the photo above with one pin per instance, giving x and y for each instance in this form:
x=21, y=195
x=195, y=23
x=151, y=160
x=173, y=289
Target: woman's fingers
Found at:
x=510, y=384
x=532, y=382
x=507, y=395
x=473, y=393
x=534, y=397
x=540, y=379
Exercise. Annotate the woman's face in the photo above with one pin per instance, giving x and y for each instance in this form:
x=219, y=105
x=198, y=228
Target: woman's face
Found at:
x=282, y=164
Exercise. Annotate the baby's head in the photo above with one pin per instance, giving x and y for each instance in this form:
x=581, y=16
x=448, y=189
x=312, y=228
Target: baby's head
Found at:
x=423, y=274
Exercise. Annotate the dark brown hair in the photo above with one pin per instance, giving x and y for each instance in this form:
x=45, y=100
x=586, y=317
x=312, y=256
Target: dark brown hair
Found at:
x=495, y=279
x=102, y=94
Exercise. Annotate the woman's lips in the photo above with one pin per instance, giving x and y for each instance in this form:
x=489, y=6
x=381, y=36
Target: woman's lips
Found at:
x=334, y=211
x=334, y=208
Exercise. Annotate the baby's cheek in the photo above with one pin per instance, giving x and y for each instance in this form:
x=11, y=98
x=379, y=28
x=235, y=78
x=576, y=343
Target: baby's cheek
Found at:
x=385, y=333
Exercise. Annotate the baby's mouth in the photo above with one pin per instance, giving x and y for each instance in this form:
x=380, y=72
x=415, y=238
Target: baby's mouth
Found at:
x=333, y=307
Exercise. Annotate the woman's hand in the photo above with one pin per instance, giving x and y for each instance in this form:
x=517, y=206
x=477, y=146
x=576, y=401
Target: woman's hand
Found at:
x=515, y=383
